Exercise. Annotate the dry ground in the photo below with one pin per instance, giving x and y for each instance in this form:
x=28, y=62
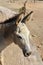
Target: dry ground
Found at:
x=35, y=25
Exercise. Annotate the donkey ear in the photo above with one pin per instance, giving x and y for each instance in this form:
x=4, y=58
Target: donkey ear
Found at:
x=27, y=17
x=18, y=18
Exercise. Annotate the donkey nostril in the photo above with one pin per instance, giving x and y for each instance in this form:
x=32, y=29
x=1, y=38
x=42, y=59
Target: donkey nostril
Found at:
x=27, y=54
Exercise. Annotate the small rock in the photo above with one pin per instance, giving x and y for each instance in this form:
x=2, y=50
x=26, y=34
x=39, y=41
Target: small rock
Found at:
x=39, y=46
x=34, y=35
x=0, y=63
x=42, y=59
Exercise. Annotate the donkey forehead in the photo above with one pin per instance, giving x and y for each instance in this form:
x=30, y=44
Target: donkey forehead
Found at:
x=23, y=29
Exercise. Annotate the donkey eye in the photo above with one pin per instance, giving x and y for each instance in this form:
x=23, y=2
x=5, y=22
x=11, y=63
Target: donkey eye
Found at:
x=19, y=37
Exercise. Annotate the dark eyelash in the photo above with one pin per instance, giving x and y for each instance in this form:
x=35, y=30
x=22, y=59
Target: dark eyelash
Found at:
x=19, y=37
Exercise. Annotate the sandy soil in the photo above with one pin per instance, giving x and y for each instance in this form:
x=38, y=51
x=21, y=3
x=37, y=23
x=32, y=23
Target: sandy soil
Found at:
x=35, y=25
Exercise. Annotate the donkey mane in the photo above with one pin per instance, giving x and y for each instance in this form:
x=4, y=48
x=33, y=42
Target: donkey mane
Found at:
x=12, y=19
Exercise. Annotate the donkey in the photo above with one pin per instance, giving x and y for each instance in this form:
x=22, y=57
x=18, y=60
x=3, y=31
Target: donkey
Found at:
x=24, y=34
x=21, y=30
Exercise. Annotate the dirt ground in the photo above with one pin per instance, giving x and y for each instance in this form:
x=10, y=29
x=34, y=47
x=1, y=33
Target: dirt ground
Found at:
x=35, y=25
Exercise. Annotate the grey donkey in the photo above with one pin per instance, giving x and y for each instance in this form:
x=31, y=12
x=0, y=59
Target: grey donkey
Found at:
x=17, y=25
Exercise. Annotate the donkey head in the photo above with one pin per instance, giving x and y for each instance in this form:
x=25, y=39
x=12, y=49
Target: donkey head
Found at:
x=23, y=34
x=21, y=31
